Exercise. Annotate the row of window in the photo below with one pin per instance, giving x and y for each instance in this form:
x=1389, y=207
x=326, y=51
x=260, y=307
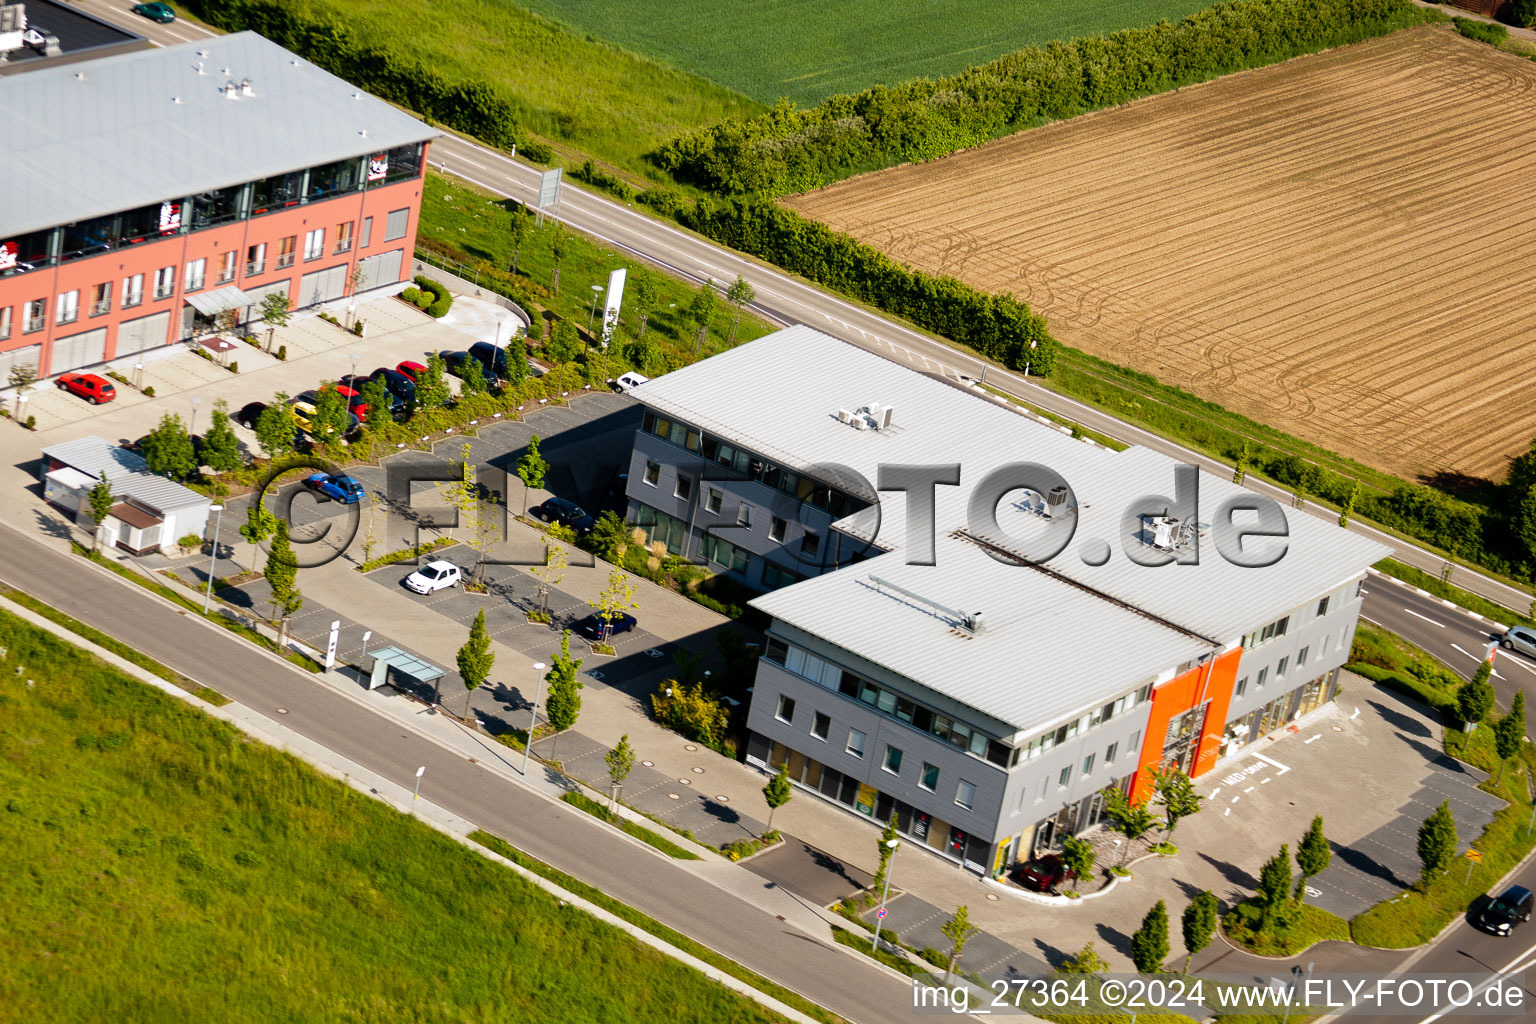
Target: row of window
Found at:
x=1277, y=629
x=833, y=677
x=1284, y=665
x=1099, y=716
x=891, y=760
x=672, y=532
x=194, y=277
x=1086, y=770
x=714, y=503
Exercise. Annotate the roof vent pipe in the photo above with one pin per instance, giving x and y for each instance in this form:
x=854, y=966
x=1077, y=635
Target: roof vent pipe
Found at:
x=245, y=86
x=200, y=70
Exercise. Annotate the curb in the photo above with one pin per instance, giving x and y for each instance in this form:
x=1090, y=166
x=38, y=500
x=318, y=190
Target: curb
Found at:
x=1501, y=627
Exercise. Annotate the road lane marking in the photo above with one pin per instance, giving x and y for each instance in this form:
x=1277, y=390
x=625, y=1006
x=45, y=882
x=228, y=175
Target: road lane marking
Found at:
x=1236, y=799
x=1476, y=657
x=1518, y=664
x=1250, y=789
x=1314, y=739
x=1498, y=976
x=1264, y=782
x=1426, y=618
x=1214, y=792
x=1271, y=761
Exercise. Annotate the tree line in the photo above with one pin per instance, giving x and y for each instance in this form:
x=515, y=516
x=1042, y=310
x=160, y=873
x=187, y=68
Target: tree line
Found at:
x=789, y=149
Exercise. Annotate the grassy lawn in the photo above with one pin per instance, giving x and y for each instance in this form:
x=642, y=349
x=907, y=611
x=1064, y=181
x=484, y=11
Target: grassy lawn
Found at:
x=818, y=50
x=175, y=871
x=640, y=832
x=1435, y=585
x=1310, y=925
x=1390, y=661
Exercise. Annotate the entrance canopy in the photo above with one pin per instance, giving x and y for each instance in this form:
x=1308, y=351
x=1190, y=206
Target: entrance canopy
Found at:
x=220, y=300
x=386, y=658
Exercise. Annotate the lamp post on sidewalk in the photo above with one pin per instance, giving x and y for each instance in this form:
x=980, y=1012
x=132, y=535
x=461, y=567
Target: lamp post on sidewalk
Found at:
x=884, y=892
x=419, y=773
x=533, y=714
x=213, y=558
x=195, y=403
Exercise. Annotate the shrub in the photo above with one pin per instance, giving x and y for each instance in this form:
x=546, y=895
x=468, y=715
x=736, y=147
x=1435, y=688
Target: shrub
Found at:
x=611, y=183
x=1523, y=13
x=537, y=152
x=31, y=422
x=439, y=309
x=1493, y=35
x=282, y=355
x=663, y=200
x=149, y=392
x=411, y=295
x=234, y=366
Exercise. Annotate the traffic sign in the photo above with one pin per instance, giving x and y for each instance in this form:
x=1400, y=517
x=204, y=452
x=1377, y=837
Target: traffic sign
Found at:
x=880, y=913
x=1475, y=856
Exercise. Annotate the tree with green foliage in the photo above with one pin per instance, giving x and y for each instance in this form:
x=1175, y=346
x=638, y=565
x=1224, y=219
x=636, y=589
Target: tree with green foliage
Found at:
x=559, y=248
x=331, y=416
x=564, y=342
x=167, y=449
x=620, y=761
x=1149, y=945
x=1509, y=733
x=701, y=311
x=531, y=469
x=1525, y=523
x=550, y=574
x=885, y=851
x=1079, y=857
x=276, y=428
x=517, y=231
x=609, y=538
x=432, y=385
x=738, y=294
x=516, y=370
x=644, y=355
x=1437, y=841
x=614, y=599
x=958, y=930
x=1522, y=13
x=1475, y=697
x=478, y=513
x=471, y=379
x=1349, y=505
x=260, y=524
x=221, y=449
x=688, y=710
x=643, y=296
x=475, y=658
x=275, y=314
x=376, y=397
x=1312, y=856
x=1176, y=792
x=1131, y=820
x=282, y=575
x=1240, y=469
x=1201, y=917
x=22, y=375
x=99, y=505
x=777, y=793
x=1274, y=895
x=563, y=705
x=1085, y=961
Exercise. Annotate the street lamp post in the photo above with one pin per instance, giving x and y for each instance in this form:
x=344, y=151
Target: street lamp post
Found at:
x=597, y=290
x=195, y=403
x=213, y=559
x=355, y=356
x=533, y=713
x=885, y=890
x=416, y=795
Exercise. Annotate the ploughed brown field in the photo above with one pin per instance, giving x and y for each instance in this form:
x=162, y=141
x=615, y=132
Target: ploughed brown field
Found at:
x=1342, y=246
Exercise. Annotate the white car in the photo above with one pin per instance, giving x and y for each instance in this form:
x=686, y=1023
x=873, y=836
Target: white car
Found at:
x=628, y=381
x=433, y=576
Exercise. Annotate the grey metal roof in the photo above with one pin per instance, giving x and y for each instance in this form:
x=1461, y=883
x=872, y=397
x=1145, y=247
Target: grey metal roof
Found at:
x=97, y=137
x=404, y=661
x=126, y=473
x=219, y=300
x=781, y=395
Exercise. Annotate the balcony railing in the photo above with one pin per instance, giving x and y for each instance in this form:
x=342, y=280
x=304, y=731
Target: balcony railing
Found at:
x=35, y=323
x=101, y=307
x=164, y=291
x=284, y=261
x=344, y=245
x=255, y=267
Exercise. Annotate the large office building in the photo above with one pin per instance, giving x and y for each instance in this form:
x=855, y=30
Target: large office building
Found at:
x=986, y=698
x=149, y=194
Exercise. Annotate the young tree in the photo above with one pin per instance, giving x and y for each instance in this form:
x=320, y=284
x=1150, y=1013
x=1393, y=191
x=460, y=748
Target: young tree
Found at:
x=1176, y=792
x=101, y=502
x=620, y=761
x=550, y=574
x=564, y=343
x=1240, y=469
x=276, y=427
x=1509, y=733
x=1131, y=820
x=1475, y=697
x=1200, y=920
x=221, y=450
x=701, y=311
x=1077, y=854
x=167, y=449
x=642, y=299
x=559, y=246
x=1274, y=887
x=563, y=705
x=531, y=469
x=370, y=531
x=471, y=380
x=1085, y=961
x=777, y=793
x=376, y=397
x=1437, y=840
x=331, y=417
x=610, y=537
x=1312, y=856
x=644, y=355
x=1149, y=946
x=260, y=524
x=517, y=232
x=885, y=851
x=432, y=386
x=475, y=658
x=282, y=573
x=476, y=511
x=274, y=313
x=1349, y=504
x=23, y=375
x=738, y=294
x=958, y=930
x=615, y=599
x=1523, y=13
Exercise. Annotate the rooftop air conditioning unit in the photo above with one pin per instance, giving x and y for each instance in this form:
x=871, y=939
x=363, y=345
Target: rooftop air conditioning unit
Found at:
x=860, y=423
x=1165, y=530
x=885, y=416
x=844, y=416
x=245, y=87
x=975, y=622
x=1056, y=501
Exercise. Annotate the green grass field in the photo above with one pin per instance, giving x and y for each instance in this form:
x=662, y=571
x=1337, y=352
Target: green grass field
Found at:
x=808, y=51
x=163, y=868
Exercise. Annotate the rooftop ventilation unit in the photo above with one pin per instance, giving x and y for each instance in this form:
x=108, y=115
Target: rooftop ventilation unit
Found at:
x=1056, y=502
x=860, y=423
x=884, y=416
x=200, y=70
x=1167, y=533
x=245, y=87
x=844, y=416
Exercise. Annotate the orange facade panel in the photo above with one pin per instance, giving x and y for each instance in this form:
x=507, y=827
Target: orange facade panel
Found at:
x=1177, y=733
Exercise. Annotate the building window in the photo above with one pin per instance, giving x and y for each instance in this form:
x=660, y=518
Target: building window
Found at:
x=397, y=223
x=930, y=777
x=821, y=725
x=5, y=322
x=1322, y=607
x=255, y=259
x=684, y=487
x=344, y=237
x=101, y=298
x=133, y=291
x=165, y=282
x=285, y=252
x=227, y=267
x=1134, y=743
x=1241, y=687
x=723, y=553
x=366, y=234
x=1280, y=669
x=1258, y=684
x=1301, y=656
x=1327, y=642
x=652, y=472
x=194, y=277
x=776, y=528
x=774, y=577
x=744, y=516
x=1088, y=765
x=37, y=316
x=1259, y=637
x=1065, y=777
x=69, y=307
x=855, y=743
x=892, y=760
x=786, y=712
x=810, y=544
x=966, y=797
x=1112, y=753
x=1045, y=785
x=671, y=431
x=714, y=502
x=314, y=244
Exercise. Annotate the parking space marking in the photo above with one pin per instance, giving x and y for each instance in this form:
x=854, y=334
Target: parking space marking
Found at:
x=1314, y=739
x=1264, y=782
x=1271, y=761
x=1236, y=799
x=1250, y=789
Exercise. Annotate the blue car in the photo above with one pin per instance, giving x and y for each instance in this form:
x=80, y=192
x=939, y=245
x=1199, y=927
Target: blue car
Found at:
x=340, y=488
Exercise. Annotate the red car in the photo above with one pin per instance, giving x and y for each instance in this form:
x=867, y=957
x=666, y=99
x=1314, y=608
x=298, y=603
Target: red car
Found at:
x=92, y=388
x=355, y=404
x=1042, y=874
x=411, y=370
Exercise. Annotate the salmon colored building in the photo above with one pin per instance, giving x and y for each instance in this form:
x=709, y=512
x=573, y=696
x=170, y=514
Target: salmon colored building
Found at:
x=147, y=195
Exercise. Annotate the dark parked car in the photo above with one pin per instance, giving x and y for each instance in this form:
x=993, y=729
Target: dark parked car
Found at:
x=591, y=627
x=155, y=11
x=1501, y=915
x=340, y=487
x=398, y=384
x=250, y=413
x=461, y=363
x=494, y=358
x=1042, y=874
x=566, y=513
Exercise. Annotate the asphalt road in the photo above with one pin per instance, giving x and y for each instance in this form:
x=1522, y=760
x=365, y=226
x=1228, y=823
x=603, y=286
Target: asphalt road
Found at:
x=565, y=838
